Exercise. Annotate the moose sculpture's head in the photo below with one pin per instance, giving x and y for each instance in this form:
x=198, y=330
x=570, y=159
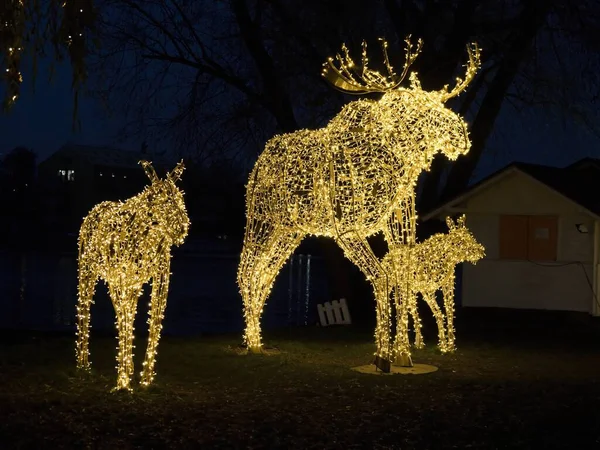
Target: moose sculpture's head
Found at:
x=167, y=208
x=413, y=117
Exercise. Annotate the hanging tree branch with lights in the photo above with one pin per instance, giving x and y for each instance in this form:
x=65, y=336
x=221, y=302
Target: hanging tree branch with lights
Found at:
x=30, y=27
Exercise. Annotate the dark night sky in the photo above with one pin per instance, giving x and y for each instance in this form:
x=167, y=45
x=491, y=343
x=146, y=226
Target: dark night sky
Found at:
x=43, y=121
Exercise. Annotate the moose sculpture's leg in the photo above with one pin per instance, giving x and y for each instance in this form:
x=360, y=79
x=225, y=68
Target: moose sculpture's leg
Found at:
x=263, y=256
x=125, y=303
x=158, y=303
x=402, y=355
x=439, y=318
x=448, y=292
x=87, y=285
x=357, y=249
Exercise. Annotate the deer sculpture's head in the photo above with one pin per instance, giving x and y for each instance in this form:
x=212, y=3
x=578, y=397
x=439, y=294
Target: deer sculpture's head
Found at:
x=166, y=205
x=414, y=118
x=462, y=241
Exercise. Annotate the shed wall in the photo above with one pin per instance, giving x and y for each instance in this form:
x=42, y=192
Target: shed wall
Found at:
x=560, y=285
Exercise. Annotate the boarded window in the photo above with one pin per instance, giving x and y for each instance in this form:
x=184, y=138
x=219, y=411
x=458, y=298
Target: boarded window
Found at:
x=513, y=237
x=528, y=237
x=542, y=240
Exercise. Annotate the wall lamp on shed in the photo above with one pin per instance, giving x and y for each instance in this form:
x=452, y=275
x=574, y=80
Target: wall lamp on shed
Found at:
x=581, y=227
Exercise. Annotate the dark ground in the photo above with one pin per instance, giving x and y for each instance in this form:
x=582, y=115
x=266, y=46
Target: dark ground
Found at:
x=515, y=382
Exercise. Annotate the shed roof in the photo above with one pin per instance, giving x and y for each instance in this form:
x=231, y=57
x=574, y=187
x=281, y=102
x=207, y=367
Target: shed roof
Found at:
x=578, y=182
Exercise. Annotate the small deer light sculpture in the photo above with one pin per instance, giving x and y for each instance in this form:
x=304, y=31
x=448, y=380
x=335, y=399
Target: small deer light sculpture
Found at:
x=127, y=244
x=346, y=180
x=425, y=268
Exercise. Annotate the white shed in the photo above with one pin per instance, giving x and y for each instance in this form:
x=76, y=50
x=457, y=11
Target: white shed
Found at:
x=540, y=226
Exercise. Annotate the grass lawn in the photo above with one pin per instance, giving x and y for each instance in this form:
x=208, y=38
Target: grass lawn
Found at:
x=507, y=386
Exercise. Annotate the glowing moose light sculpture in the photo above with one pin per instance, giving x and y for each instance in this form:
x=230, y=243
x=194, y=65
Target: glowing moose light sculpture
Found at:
x=346, y=180
x=425, y=268
x=127, y=244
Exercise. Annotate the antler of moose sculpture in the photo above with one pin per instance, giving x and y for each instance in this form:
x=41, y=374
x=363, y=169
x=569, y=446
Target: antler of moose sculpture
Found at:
x=127, y=244
x=349, y=180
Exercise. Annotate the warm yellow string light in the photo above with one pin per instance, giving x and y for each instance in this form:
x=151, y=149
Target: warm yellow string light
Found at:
x=425, y=268
x=347, y=180
x=127, y=244
x=12, y=27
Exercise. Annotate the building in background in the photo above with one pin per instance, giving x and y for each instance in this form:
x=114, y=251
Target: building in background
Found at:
x=77, y=177
x=540, y=227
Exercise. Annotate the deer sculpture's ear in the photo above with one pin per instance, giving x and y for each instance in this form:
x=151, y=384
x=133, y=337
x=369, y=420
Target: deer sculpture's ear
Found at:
x=150, y=172
x=175, y=174
x=461, y=221
x=449, y=222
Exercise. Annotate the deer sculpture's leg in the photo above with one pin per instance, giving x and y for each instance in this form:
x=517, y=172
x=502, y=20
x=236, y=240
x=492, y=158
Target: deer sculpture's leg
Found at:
x=266, y=249
x=158, y=303
x=448, y=292
x=357, y=249
x=86, y=288
x=438, y=314
x=125, y=303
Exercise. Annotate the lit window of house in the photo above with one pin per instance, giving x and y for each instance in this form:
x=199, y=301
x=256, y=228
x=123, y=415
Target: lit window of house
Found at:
x=66, y=174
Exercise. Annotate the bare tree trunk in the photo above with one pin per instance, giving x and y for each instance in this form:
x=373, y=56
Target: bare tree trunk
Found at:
x=532, y=18
x=438, y=67
x=432, y=179
x=278, y=99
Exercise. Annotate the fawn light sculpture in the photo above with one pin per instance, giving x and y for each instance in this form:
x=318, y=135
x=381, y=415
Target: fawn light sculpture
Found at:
x=346, y=180
x=127, y=244
x=426, y=268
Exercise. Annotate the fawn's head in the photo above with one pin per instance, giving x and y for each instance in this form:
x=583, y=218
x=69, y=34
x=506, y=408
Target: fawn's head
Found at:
x=463, y=242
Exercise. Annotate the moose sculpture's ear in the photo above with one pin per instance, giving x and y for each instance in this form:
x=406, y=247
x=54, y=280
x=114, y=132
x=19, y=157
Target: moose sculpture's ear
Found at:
x=150, y=172
x=449, y=222
x=175, y=174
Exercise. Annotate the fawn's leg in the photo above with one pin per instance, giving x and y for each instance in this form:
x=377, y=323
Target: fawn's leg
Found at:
x=429, y=297
x=402, y=356
x=414, y=313
x=448, y=292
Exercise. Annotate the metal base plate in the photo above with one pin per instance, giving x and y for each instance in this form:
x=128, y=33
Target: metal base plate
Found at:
x=416, y=369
